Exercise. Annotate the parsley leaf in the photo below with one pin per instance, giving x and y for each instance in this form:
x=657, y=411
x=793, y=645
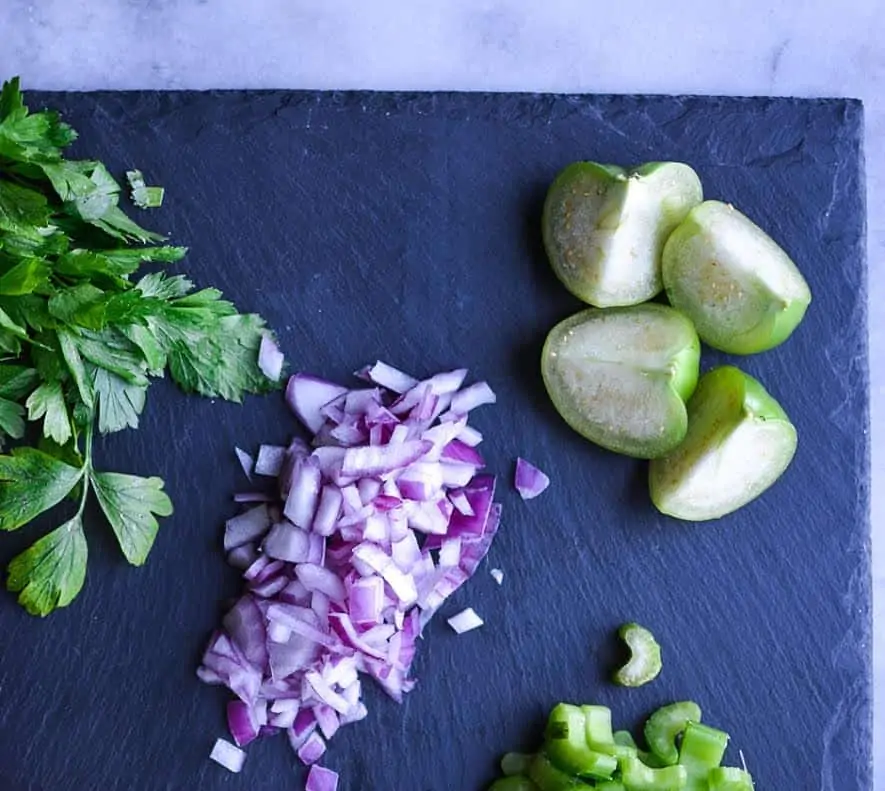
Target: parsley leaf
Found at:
x=211, y=348
x=218, y=362
x=28, y=310
x=159, y=285
x=30, y=483
x=21, y=206
x=48, y=402
x=115, y=223
x=11, y=419
x=6, y=323
x=129, y=503
x=115, y=263
x=111, y=349
x=143, y=196
x=51, y=572
x=71, y=354
x=72, y=305
x=11, y=99
x=71, y=180
x=80, y=341
x=119, y=402
x=16, y=381
x=30, y=138
x=99, y=197
x=25, y=277
x=153, y=352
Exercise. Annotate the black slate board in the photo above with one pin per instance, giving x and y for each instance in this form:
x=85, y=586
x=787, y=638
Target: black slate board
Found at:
x=405, y=226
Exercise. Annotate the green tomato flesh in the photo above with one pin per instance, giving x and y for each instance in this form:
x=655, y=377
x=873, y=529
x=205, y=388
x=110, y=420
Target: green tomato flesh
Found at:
x=620, y=377
x=739, y=442
x=604, y=227
x=735, y=283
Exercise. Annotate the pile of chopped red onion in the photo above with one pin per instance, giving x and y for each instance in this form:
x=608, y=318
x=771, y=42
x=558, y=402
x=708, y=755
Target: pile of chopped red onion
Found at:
x=374, y=526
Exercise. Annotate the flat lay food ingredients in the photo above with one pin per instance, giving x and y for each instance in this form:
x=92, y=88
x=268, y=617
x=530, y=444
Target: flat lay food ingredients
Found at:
x=621, y=376
x=362, y=537
x=581, y=751
x=81, y=338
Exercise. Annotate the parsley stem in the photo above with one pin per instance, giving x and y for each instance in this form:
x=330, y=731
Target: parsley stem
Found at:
x=87, y=456
x=87, y=468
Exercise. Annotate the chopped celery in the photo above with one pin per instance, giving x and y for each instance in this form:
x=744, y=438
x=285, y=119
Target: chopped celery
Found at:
x=636, y=776
x=729, y=778
x=567, y=746
x=666, y=724
x=645, y=656
x=516, y=763
x=702, y=748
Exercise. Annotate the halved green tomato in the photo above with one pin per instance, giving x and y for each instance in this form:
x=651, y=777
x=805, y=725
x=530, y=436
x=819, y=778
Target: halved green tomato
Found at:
x=735, y=283
x=739, y=442
x=605, y=227
x=620, y=377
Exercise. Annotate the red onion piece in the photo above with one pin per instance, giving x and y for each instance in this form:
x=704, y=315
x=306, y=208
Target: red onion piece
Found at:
x=229, y=756
x=529, y=480
x=307, y=395
x=304, y=492
x=465, y=621
x=327, y=720
x=447, y=382
x=366, y=599
x=312, y=750
x=458, y=450
x=241, y=722
x=389, y=377
x=327, y=511
x=253, y=497
x=246, y=527
x=269, y=461
x=320, y=779
x=472, y=397
x=456, y=474
x=317, y=578
x=270, y=358
x=458, y=499
x=325, y=693
x=287, y=542
x=268, y=588
x=381, y=460
x=242, y=557
x=246, y=462
x=470, y=436
x=421, y=481
x=244, y=622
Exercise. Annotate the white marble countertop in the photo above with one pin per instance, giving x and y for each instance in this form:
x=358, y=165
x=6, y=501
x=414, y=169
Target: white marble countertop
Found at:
x=747, y=47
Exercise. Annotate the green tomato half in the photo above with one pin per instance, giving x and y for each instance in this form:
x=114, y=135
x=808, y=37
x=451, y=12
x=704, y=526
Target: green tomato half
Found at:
x=605, y=227
x=620, y=377
x=739, y=442
x=735, y=283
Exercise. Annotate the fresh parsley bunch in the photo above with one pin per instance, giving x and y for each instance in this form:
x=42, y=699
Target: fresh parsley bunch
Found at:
x=80, y=340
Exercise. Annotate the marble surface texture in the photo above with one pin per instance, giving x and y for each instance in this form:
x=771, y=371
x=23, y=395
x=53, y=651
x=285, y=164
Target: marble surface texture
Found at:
x=739, y=47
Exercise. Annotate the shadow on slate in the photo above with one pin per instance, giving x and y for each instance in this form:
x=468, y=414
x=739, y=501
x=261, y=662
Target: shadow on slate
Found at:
x=404, y=226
